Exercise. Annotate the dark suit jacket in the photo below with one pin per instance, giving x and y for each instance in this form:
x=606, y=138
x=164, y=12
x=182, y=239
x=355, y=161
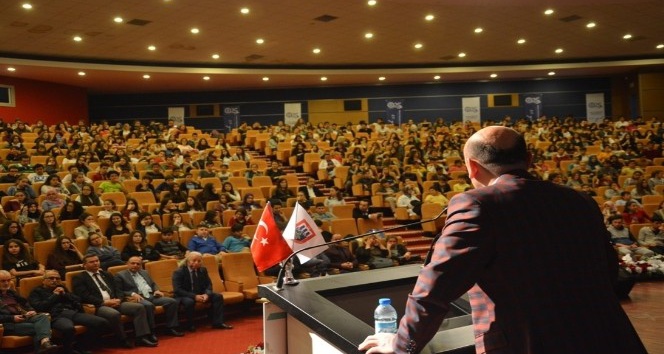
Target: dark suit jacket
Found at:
x=182, y=286
x=317, y=191
x=44, y=300
x=124, y=281
x=86, y=288
x=536, y=261
x=6, y=316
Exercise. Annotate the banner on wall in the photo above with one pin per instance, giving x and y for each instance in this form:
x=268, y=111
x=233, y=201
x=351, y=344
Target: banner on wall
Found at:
x=595, y=107
x=292, y=113
x=393, y=111
x=532, y=103
x=470, y=109
x=230, y=117
x=176, y=114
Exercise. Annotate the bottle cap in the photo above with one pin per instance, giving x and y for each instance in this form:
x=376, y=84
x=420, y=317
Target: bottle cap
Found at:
x=384, y=301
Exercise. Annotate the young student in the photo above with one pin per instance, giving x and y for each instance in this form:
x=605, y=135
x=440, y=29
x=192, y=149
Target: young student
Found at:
x=237, y=241
x=168, y=248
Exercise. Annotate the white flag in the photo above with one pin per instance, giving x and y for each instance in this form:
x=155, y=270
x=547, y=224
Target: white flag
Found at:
x=302, y=232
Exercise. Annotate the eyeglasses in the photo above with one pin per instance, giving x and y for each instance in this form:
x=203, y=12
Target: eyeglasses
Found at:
x=53, y=278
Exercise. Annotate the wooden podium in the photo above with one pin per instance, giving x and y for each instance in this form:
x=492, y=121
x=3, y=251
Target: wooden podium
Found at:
x=334, y=314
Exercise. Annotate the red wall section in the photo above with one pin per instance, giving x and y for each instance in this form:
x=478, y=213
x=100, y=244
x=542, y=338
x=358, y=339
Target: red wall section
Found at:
x=49, y=102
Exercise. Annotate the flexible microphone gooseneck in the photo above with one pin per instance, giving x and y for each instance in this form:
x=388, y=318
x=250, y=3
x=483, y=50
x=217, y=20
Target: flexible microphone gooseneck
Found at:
x=280, y=277
x=427, y=259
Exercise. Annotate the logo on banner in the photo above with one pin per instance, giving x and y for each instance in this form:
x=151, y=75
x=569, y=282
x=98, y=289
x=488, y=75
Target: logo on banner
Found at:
x=595, y=105
x=303, y=232
x=231, y=110
x=533, y=100
x=394, y=105
x=471, y=109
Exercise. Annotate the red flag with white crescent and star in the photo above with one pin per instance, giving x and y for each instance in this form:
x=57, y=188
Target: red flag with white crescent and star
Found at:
x=268, y=247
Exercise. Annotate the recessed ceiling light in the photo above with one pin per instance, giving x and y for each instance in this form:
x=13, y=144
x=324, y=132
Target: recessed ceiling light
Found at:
x=151, y=47
x=206, y=78
x=437, y=77
x=660, y=46
x=462, y=55
x=118, y=19
x=266, y=78
x=195, y=30
x=11, y=69
x=382, y=78
x=627, y=36
x=27, y=6
x=418, y=45
x=429, y=17
x=215, y=56
x=551, y=73
x=493, y=76
x=323, y=78
x=146, y=76
x=316, y=50
x=548, y=12
x=244, y=10
x=479, y=30
x=372, y=2
x=368, y=35
x=591, y=25
x=260, y=41
x=520, y=41
x=559, y=50
x=77, y=38
x=81, y=73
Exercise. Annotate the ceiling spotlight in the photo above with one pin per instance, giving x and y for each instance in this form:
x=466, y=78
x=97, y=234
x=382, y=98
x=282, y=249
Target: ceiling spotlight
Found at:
x=244, y=10
x=153, y=48
x=372, y=2
x=382, y=78
x=418, y=45
x=520, y=41
x=146, y=76
x=660, y=46
x=551, y=73
x=81, y=73
x=316, y=50
x=77, y=38
x=591, y=25
x=195, y=30
x=12, y=69
x=627, y=36
x=323, y=78
x=462, y=55
x=479, y=30
x=437, y=77
x=548, y=12
x=206, y=78
x=215, y=56
x=429, y=17
x=493, y=76
x=559, y=50
x=266, y=78
x=260, y=41
x=27, y=6
x=368, y=35
x=118, y=19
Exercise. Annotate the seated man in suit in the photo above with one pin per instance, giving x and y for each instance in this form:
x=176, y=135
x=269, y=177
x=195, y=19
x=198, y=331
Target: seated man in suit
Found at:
x=18, y=318
x=97, y=287
x=310, y=190
x=137, y=285
x=66, y=311
x=192, y=284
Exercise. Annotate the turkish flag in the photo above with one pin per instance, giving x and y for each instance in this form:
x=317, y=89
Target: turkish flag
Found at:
x=268, y=247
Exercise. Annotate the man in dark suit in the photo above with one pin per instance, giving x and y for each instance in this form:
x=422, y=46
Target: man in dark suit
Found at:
x=310, y=190
x=137, y=285
x=98, y=288
x=534, y=257
x=192, y=284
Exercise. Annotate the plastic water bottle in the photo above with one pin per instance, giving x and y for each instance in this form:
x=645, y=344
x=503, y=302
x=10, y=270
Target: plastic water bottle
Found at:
x=385, y=317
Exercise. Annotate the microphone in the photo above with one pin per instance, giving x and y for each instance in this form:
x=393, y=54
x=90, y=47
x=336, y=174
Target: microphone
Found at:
x=280, y=276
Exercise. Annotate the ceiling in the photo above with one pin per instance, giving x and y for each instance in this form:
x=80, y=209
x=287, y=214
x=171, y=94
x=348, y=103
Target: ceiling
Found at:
x=39, y=43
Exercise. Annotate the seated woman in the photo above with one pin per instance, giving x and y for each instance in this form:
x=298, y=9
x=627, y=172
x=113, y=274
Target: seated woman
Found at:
x=29, y=213
x=53, y=200
x=399, y=252
x=88, y=225
x=241, y=217
x=146, y=224
x=131, y=209
x=16, y=259
x=11, y=231
x=282, y=192
x=211, y=219
x=166, y=206
x=71, y=211
x=373, y=253
x=138, y=247
x=118, y=226
x=248, y=202
x=207, y=194
x=109, y=208
x=64, y=255
x=178, y=224
x=48, y=227
x=233, y=195
x=192, y=205
x=109, y=256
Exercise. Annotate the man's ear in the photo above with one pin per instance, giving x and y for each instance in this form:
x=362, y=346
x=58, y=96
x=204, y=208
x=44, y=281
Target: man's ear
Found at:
x=473, y=168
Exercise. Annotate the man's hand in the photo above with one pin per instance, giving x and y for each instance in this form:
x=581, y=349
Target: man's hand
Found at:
x=379, y=343
x=136, y=297
x=112, y=303
x=158, y=293
x=59, y=290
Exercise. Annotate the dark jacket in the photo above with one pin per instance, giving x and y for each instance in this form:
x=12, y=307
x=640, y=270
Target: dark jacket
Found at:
x=182, y=285
x=85, y=287
x=44, y=300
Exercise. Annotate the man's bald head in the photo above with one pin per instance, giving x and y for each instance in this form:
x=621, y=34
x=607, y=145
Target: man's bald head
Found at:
x=498, y=149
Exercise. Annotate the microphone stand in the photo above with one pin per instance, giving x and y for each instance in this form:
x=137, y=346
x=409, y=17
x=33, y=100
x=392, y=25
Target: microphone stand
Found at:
x=280, y=276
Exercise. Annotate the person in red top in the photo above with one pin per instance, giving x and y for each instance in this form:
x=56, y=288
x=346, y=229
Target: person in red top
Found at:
x=634, y=214
x=102, y=174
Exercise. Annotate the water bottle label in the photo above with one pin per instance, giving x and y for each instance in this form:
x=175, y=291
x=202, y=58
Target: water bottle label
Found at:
x=386, y=326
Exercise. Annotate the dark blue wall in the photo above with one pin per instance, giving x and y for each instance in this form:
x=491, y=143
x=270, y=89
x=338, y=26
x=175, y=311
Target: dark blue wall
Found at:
x=427, y=101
